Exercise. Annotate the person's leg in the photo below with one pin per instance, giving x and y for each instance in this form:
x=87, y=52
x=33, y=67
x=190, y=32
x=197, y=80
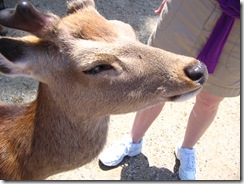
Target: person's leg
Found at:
x=131, y=145
x=143, y=120
x=201, y=117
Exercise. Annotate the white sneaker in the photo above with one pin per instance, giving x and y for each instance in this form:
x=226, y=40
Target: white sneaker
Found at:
x=116, y=153
x=187, y=157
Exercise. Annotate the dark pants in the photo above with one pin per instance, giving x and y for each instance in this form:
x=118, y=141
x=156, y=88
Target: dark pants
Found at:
x=1, y=8
x=2, y=5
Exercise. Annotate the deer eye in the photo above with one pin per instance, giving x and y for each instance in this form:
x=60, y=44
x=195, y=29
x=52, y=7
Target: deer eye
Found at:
x=98, y=69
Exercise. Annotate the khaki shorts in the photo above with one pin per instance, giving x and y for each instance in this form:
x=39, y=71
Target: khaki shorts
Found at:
x=184, y=27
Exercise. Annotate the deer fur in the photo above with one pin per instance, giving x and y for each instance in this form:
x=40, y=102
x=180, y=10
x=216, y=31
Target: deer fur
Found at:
x=88, y=68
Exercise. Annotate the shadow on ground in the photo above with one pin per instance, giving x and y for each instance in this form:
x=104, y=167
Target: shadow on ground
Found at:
x=137, y=168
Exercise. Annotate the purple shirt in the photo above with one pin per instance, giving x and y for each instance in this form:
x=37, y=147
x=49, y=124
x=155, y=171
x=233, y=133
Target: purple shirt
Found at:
x=213, y=48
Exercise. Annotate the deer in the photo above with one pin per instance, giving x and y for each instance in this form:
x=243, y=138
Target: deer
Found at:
x=88, y=68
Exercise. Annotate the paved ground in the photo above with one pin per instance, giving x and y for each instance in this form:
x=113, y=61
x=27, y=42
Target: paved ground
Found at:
x=218, y=151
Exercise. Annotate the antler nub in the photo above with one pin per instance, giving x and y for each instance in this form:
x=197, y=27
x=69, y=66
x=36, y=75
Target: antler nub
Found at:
x=25, y=17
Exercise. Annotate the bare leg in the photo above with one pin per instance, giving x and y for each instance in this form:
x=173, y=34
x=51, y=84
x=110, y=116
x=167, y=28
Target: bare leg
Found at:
x=202, y=115
x=144, y=118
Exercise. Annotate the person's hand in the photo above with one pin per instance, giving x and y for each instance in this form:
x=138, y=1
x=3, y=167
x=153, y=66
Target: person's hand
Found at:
x=158, y=11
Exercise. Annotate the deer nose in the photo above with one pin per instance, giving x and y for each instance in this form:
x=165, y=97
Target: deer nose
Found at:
x=197, y=73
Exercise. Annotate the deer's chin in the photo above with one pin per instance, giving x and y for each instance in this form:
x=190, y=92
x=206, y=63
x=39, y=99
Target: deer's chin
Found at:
x=186, y=96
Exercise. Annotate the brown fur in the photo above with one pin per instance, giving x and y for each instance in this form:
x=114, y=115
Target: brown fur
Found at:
x=88, y=68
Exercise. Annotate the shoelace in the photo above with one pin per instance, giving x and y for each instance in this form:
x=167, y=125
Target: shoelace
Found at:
x=122, y=145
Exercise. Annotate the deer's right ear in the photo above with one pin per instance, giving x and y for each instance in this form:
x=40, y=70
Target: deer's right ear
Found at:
x=74, y=5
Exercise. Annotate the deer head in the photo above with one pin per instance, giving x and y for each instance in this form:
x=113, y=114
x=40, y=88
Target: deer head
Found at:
x=92, y=62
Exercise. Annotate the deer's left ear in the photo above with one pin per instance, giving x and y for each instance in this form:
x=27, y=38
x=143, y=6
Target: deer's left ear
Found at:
x=74, y=5
x=17, y=58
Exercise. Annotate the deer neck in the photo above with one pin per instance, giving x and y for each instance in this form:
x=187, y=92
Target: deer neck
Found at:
x=59, y=143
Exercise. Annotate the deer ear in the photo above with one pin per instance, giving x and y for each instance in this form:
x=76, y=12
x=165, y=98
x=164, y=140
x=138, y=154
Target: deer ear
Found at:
x=74, y=5
x=14, y=60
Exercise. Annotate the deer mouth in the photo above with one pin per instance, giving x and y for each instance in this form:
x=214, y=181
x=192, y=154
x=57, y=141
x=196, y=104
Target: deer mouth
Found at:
x=184, y=97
